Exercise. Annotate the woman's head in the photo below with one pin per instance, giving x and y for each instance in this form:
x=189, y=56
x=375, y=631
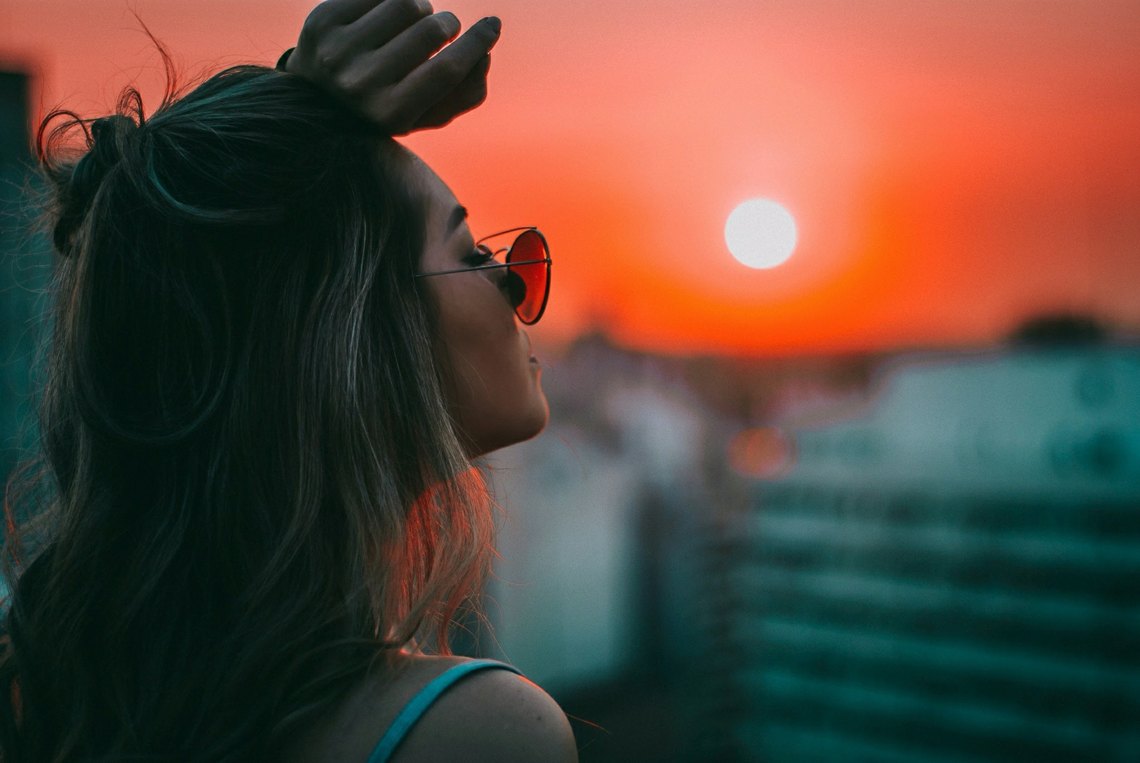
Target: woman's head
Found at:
x=258, y=421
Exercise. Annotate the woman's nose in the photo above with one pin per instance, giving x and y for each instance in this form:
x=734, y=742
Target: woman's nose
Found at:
x=515, y=289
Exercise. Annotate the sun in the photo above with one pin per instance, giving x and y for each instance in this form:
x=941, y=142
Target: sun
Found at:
x=761, y=233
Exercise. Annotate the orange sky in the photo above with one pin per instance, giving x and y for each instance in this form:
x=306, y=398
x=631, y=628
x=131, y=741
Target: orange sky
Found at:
x=953, y=166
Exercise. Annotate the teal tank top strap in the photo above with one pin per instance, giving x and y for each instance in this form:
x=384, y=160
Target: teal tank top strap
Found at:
x=419, y=704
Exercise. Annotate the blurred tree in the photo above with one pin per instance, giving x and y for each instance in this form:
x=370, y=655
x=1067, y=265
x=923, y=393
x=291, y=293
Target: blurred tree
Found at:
x=1060, y=330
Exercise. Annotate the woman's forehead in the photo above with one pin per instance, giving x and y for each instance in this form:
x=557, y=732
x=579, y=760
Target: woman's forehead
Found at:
x=422, y=180
x=440, y=199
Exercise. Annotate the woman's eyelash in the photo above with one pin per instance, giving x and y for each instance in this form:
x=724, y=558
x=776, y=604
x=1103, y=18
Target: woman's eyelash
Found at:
x=479, y=256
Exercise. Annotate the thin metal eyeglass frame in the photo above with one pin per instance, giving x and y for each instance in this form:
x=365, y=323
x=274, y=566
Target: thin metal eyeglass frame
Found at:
x=492, y=266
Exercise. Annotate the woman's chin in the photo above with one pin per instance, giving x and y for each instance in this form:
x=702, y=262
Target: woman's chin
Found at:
x=520, y=429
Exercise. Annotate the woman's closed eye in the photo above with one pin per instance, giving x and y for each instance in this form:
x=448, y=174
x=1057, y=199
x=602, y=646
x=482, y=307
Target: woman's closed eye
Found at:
x=480, y=255
x=509, y=283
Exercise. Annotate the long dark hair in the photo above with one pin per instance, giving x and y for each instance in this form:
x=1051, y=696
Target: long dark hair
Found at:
x=249, y=487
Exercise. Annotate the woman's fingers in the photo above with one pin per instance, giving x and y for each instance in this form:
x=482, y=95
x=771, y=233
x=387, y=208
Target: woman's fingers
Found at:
x=338, y=33
x=377, y=56
x=384, y=22
x=471, y=92
x=412, y=47
x=437, y=80
x=347, y=11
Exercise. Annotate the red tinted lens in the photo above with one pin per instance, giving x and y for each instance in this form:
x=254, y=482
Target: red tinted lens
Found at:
x=529, y=290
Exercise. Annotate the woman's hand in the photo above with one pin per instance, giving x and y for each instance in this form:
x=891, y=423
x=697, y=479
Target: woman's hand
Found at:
x=377, y=56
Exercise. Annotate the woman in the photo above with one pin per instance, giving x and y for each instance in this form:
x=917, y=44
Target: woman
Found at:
x=276, y=350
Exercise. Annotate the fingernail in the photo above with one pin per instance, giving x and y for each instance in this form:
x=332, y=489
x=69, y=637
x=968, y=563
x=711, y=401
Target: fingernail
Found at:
x=494, y=23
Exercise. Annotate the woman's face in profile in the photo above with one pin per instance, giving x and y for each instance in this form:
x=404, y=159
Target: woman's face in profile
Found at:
x=493, y=387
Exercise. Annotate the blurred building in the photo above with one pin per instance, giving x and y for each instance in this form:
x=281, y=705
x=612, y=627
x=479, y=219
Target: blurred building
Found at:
x=596, y=595
x=919, y=557
x=949, y=575
x=25, y=268
x=568, y=594
x=24, y=271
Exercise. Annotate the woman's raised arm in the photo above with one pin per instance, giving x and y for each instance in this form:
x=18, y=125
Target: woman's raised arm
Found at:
x=387, y=59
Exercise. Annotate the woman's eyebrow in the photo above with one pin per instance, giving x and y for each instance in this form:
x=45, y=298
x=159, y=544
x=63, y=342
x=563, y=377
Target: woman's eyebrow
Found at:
x=457, y=216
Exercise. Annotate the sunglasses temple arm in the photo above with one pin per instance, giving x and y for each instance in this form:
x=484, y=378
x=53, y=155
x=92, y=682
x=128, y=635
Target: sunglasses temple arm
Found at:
x=481, y=267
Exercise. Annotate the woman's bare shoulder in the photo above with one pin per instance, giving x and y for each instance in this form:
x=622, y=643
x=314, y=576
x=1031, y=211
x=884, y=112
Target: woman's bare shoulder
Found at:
x=491, y=715
x=351, y=727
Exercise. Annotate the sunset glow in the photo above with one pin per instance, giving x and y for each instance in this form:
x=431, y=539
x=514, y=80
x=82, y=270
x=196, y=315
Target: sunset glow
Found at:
x=953, y=168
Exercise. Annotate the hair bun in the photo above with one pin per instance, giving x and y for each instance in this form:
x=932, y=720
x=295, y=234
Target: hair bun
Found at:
x=109, y=136
x=110, y=139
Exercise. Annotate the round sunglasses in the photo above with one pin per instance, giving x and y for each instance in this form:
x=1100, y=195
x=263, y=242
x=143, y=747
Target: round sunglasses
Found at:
x=527, y=262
